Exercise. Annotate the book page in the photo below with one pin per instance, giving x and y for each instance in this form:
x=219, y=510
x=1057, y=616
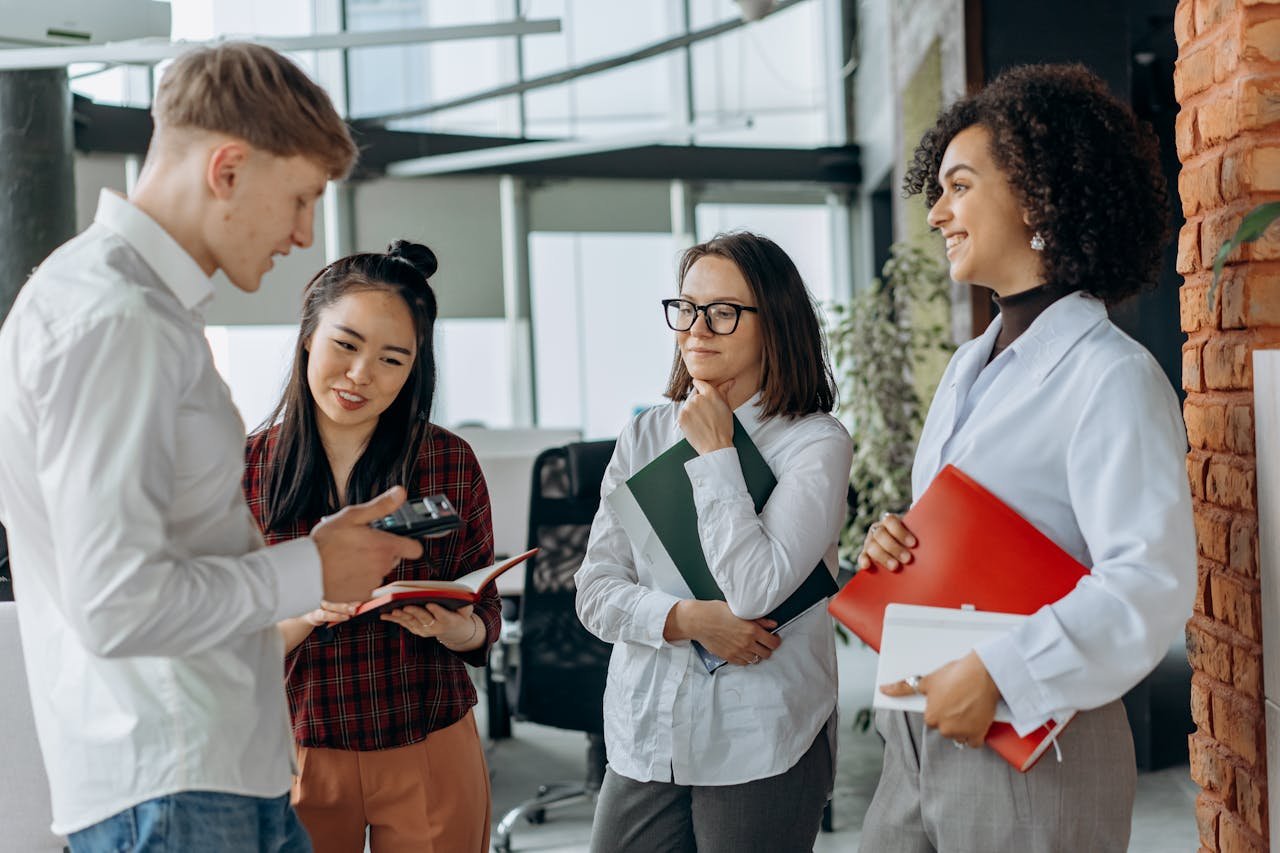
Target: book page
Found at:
x=471, y=582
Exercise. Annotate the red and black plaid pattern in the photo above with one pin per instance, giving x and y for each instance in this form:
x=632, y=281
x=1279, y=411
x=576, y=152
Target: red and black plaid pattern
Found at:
x=370, y=684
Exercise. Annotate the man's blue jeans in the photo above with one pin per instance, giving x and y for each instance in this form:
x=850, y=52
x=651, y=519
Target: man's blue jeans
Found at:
x=198, y=822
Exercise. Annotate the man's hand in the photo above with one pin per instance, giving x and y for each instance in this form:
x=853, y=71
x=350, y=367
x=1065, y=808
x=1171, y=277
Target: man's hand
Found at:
x=960, y=699
x=355, y=557
x=712, y=623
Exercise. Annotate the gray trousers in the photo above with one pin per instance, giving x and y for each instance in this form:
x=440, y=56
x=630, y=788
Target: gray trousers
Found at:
x=934, y=797
x=780, y=814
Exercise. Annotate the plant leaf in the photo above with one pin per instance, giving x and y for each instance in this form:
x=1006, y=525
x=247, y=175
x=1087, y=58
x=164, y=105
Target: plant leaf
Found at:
x=1253, y=226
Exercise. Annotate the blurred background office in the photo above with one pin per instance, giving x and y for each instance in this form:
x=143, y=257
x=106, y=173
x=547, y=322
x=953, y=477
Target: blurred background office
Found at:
x=560, y=154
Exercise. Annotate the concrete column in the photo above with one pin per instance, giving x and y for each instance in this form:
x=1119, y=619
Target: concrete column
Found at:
x=37, y=184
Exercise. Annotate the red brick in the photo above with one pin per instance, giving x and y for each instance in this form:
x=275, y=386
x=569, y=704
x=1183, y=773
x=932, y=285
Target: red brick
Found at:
x=1196, y=311
x=1237, y=725
x=1189, y=248
x=1193, y=72
x=1219, y=118
x=1197, y=470
x=1250, y=295
x=1212, y=769
x=1266, y=247
x=1243, y=550
x=1208, y=812
x=1258, y=104
x=1207, y=653
x=1206, y=425
x=1200, y=185
x=1209, y=13
x=1240, y=429
x=1251, y=800
x=1216, y=229
x=1204, y=590
x=1228, y=364
x=1246, y=670
x=1234, y=836
x=1184, y=22
x=1201, y=707
x=1236, y=603
x=1261, y=41
x=1184, y=132
x=1213, y=532
x=1192, y=367
x=1229, y=483
x=1263, y=169
x=1226, y=55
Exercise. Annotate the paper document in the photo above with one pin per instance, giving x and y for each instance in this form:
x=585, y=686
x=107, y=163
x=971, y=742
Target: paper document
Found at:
x=917, y=640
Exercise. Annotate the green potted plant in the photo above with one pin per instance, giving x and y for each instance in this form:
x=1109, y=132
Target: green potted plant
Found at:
x=875, y=341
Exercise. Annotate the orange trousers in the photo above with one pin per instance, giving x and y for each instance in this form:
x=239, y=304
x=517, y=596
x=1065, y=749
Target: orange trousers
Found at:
x=430, y=797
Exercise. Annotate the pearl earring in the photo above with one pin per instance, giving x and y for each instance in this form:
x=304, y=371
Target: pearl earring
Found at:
x=1037, y=242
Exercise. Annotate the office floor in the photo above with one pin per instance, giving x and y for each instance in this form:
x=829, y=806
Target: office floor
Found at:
x=1164, y=817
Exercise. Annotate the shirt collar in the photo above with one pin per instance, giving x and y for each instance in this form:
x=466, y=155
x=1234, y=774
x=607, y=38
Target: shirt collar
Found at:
x=1043, y=344
x=172, y=263
x=748, y=414
x=1056, y=330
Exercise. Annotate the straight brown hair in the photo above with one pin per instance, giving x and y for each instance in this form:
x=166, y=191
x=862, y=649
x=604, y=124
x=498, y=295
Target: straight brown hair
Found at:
x=796, y=379
x=253, y=93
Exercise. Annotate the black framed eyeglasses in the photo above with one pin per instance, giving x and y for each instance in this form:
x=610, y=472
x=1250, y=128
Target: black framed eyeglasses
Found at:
x=722, y=317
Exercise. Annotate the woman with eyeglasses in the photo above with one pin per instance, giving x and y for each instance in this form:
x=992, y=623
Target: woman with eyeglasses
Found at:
x=742, y=758
x=1047, y=191
x=387, y=743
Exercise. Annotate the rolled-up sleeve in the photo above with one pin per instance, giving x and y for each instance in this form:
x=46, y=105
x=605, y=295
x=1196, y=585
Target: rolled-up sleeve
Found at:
x=1128, y=490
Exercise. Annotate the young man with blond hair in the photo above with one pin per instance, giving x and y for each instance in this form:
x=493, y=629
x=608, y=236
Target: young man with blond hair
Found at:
x=146, y=599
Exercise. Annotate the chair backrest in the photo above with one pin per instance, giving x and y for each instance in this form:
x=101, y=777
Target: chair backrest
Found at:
x=562, y=670
x=25, y=813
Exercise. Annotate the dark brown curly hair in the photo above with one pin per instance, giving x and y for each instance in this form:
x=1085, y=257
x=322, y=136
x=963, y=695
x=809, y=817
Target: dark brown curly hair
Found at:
x=1083, y=166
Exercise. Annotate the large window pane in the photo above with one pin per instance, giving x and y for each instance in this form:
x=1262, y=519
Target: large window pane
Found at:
x=802, y=230
x=602, y=350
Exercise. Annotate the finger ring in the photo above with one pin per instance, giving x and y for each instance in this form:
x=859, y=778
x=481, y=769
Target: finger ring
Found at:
x=755, y=658
x=913, y=681
x=959, y=744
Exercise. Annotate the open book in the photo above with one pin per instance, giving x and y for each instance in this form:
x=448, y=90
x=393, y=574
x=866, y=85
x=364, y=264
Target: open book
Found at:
x=453, y=594
x=917, y=640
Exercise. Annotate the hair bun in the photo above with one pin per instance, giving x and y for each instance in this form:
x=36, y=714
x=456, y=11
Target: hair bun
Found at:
x=422, y=258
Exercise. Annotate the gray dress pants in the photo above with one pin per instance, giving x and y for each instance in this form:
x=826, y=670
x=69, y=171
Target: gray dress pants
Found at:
x=935, y=797
x=780, y=814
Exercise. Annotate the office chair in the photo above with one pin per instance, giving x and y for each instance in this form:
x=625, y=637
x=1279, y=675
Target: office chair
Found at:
x=559, y=677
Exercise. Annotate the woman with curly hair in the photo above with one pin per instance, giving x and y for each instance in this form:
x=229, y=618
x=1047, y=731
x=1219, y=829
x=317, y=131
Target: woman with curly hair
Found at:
x=1048, y=192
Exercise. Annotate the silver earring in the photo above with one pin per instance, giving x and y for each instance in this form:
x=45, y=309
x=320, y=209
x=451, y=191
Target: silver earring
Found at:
x=1037, y=242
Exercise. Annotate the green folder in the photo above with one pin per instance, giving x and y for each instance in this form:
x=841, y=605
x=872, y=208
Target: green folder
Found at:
x=665, y=495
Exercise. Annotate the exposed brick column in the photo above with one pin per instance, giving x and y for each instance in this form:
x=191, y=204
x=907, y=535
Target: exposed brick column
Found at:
x=1228, y=134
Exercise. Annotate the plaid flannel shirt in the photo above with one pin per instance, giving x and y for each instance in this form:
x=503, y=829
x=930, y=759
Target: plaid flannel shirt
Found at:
x=370, y=684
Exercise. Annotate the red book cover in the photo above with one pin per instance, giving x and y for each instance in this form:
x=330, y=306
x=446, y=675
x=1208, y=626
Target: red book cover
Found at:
x=453, y=594
x=973, y=551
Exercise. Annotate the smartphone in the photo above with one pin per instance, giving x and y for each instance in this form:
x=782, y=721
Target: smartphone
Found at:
x=421, y=518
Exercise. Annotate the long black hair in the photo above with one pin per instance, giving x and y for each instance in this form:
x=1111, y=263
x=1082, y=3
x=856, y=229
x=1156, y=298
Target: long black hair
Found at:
x=299, y=481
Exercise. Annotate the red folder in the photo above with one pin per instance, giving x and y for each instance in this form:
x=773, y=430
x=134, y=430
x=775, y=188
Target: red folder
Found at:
x=973, y=550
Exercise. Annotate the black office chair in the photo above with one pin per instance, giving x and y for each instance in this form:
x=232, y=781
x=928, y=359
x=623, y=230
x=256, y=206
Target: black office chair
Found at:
x=558, y=679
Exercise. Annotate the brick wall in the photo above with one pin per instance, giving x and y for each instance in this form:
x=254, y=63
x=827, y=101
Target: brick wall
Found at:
x=1227, y=81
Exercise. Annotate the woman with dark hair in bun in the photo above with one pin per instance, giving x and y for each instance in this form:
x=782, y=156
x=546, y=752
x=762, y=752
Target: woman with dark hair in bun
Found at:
x=1048, y=192
x=387, y=743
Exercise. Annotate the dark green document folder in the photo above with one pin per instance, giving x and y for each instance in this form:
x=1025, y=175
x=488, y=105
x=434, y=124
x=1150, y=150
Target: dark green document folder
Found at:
x=665, y=495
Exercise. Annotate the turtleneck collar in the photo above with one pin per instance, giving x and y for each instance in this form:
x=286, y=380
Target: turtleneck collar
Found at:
x=1019, y=310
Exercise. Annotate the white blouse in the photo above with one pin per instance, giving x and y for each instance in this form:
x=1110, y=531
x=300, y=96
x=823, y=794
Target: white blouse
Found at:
x=1076, y=428
x=665, y=718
